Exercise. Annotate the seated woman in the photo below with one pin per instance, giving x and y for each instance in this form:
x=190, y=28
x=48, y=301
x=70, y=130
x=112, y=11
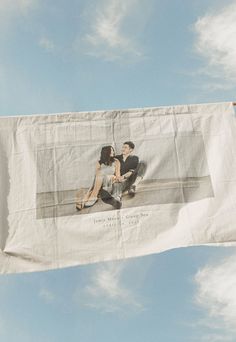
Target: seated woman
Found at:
x=107, y=172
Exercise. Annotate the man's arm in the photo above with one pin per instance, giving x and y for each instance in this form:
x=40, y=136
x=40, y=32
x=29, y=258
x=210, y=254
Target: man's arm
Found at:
x=135, y=162
x=134, y=165
x=128, y=174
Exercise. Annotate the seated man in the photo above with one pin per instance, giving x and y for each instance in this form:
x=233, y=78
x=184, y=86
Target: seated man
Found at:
x=131, y=172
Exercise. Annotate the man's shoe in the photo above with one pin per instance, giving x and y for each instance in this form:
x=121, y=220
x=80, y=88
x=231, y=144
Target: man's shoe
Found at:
x=132, y=191
x=116, y=202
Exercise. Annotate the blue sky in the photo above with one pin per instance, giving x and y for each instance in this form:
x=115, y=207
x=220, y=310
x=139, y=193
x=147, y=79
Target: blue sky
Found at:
x=61, y=56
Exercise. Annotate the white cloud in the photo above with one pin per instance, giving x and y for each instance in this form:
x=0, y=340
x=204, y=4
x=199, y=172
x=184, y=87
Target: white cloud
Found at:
x=216, y=294
x=47, y=295
x=216, y=33
x=11, y=11
x=216, y=338
x=46, y=44
x=16, y=5
x=109, y=35
x=107, y=291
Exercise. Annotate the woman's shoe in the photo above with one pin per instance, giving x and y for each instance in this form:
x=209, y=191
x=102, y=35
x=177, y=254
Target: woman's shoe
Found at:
x=79, y=207
x=90, y=203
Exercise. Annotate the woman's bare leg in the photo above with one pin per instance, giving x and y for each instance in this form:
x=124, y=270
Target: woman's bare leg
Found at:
x=92, y=195
x=97, y=186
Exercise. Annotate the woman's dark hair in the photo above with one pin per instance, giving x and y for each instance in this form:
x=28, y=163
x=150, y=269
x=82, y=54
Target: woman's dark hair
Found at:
x=106, y=157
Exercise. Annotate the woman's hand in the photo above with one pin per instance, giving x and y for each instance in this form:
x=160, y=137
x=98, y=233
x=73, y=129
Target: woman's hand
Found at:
x=120, y=178
x=117, y=178
x=113, y=178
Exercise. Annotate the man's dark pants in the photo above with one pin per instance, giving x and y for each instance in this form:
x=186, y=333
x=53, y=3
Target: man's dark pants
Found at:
x=119, y=187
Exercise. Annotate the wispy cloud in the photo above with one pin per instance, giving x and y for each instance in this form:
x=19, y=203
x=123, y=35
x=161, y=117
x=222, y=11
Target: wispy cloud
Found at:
x=46, y=44
x=47, y=295
x=109, y=32
x=215, y=41
x=16, y=5
x=10, y=12
x=216, y=294
x=107, y=291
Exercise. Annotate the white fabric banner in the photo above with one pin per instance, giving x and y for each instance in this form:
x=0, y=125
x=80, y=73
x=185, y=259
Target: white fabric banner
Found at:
x=85, y=187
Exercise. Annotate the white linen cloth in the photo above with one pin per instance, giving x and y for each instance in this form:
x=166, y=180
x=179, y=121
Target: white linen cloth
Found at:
x=187, y=196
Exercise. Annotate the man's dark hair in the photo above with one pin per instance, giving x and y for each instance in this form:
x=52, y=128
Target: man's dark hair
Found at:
x=130, y=143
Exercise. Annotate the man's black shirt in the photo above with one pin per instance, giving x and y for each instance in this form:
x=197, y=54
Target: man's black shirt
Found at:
x=129, y=164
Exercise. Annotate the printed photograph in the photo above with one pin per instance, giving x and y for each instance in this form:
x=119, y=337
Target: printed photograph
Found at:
x=90, y=166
